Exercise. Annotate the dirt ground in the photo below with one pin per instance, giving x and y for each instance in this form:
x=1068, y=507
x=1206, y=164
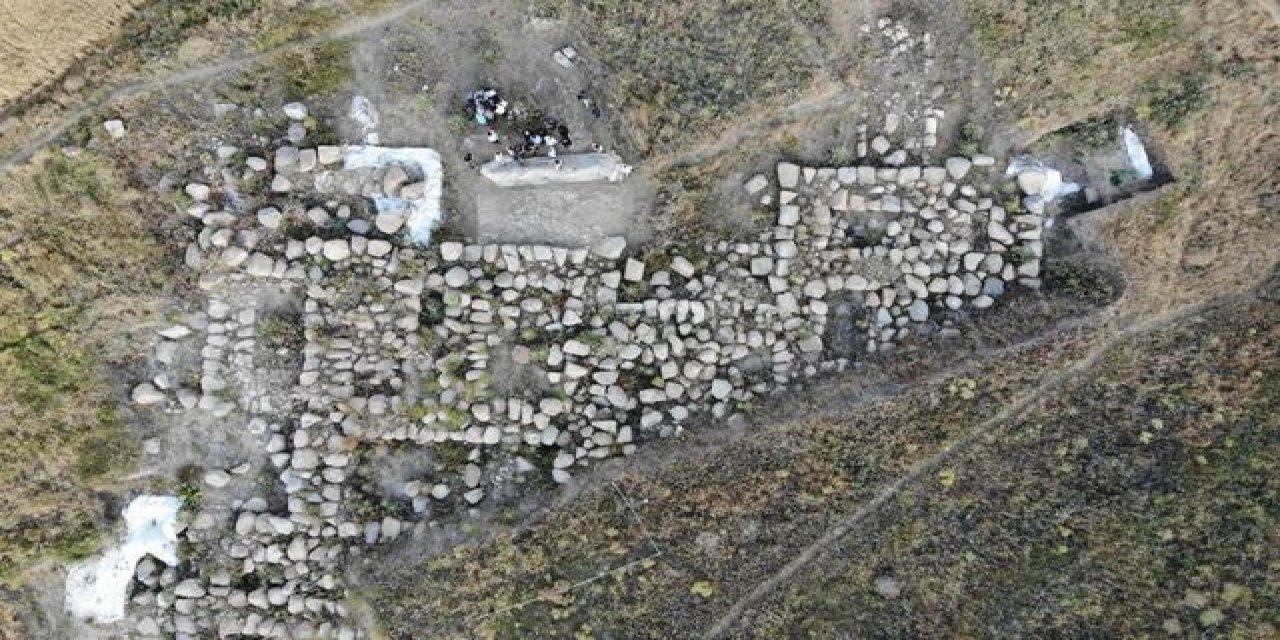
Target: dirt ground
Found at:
x=417, y=72
x=564, y=215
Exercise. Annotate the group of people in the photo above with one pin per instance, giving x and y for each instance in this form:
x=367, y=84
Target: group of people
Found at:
x=547, y=139
x=485, y=105
x=544, y=139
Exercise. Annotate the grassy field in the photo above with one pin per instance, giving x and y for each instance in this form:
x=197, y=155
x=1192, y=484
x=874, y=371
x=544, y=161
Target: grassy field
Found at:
x=1140, y=501
x=78, y=262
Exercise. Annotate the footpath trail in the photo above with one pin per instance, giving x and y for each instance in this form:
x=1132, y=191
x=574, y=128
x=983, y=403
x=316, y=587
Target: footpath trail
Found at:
x=1015, y=409
x=349, y=28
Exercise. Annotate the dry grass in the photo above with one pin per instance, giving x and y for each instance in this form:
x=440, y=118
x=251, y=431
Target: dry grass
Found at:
x=40, y=39
x=77, y=263
x=683, y=71
x=1141, y=499
x=1201, y=76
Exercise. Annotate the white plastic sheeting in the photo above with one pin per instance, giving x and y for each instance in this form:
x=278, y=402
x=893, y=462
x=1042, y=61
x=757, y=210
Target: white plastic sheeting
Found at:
x=1137, y=154
x=1054, y=185
x=425, y=212
x=98, y=589
x=366, y=116
x=578, y=167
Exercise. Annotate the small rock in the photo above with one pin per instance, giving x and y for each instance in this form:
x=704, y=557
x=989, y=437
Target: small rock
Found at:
x=788, y=175
x=682, y=266
x=259, y=265
x=295, y=111
x=336, y=250
x=115, y=128
x=918, y=310
x=756, y=184
x=389, y=222
x=270, y=217
x=958, y=167
x=1031, y=182
x=450, y=251
x=788, y=215
x=176, y=332
x=146, y=394
x=328, y=154
x=761, y=266
x=634, y=271
x=189, y=588
x=217, y=478
x=393, y=179
x=887, y=587
x=720, y=388
x=456, y=277
x=198, y=192
x=610, y=248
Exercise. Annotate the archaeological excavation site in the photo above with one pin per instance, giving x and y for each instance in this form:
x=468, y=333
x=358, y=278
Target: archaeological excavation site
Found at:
x=609, y=319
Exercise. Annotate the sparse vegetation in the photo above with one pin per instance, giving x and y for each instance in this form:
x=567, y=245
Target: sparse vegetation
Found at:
x=1172, y=105
x=680, y=71
x=972, y=139
x=76, y=257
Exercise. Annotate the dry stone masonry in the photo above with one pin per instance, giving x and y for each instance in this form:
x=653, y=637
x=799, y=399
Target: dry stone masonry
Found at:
x=525, y=359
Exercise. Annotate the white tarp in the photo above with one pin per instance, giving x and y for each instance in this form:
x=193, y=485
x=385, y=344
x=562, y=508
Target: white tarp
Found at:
x=578, y=167
x=1054, y=186
x=1137, y=154
x=425, y=212
x=98, y=588
x=366, y=116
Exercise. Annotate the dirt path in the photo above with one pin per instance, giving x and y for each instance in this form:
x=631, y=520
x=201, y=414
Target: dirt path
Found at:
x=1011, y=412
x=835, y=97
x=349, y=28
